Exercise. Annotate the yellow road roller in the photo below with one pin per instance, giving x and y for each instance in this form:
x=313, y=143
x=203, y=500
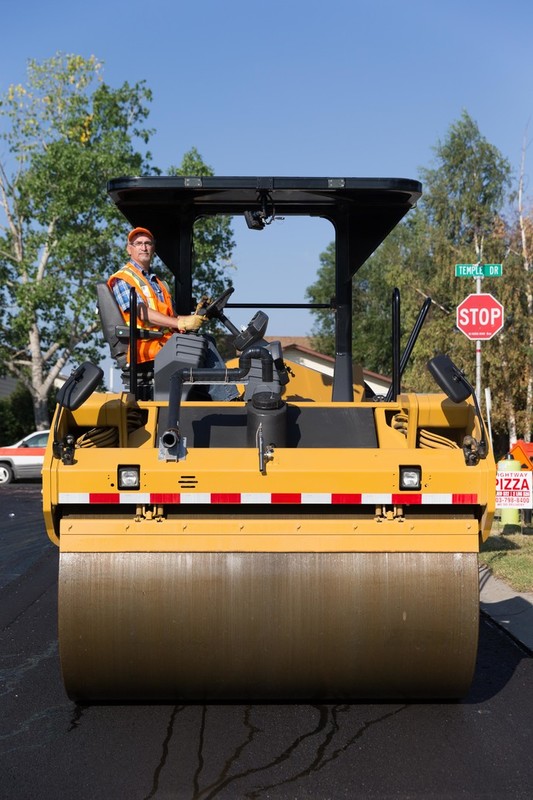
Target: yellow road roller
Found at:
x=308, y=540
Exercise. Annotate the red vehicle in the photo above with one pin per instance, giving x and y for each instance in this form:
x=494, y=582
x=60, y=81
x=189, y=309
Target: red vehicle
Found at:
x=24, y=459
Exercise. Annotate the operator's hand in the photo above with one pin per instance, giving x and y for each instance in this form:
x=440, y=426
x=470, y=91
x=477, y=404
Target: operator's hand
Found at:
x=202, y=305
x=190, y=323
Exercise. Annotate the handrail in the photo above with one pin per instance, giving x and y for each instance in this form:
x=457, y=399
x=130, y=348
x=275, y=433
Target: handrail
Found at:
x=133, y=342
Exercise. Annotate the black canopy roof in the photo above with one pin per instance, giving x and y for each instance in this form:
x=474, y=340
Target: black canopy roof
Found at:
x=363, y=211
x=168, y=206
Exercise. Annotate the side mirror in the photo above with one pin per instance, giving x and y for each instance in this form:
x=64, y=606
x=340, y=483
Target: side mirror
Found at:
x=454, y=384
x=79, y=386
x=450, y=378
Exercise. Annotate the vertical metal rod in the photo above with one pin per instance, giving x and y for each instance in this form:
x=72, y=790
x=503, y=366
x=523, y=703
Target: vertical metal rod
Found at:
x=395, y=343
x=342, y=390
x=478, y=349
x=133, y=342
x=422, y=314
x=488, y=407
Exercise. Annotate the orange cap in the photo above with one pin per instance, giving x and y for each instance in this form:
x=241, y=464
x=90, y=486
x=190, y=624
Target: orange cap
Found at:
x=137, y=231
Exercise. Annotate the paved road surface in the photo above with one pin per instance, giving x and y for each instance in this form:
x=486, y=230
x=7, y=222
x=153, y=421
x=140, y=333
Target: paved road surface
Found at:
x=50, y=748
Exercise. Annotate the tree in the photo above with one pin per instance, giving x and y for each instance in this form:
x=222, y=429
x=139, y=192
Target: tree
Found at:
x=523, y=251
x=371, y=292
x=213, y=237
x=16, y=414
x=322, y=291
x=464, y=197
x=467, y=189
x=460, y=219
x=402, y=261
x=67, y=132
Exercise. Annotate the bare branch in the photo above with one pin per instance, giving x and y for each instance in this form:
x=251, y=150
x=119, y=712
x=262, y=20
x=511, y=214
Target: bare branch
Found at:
x=12, y=214
x=45, y=254
x=526, y=262
x=446, y=311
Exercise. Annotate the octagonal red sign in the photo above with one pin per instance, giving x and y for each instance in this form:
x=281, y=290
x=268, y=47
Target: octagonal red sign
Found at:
x=480, y=316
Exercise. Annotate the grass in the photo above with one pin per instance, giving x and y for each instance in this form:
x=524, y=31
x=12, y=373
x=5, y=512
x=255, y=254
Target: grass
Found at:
x=509, y=555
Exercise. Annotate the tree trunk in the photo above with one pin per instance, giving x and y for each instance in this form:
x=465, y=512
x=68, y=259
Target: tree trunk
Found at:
x=525, y=231
x=512, y=427
x=40, y=411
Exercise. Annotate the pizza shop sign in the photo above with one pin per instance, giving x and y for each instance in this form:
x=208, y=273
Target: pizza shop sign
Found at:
x=514, y=489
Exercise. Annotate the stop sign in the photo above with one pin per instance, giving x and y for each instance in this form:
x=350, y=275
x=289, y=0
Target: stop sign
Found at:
x=480, y=316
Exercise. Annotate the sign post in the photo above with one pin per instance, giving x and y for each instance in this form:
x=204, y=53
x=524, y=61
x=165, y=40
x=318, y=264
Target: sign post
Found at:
x=479, y=320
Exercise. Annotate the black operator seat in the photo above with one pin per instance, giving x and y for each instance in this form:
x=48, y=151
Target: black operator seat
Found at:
x=117, y=333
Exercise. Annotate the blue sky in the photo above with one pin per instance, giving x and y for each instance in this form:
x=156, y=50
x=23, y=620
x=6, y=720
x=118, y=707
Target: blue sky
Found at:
x=337, y=88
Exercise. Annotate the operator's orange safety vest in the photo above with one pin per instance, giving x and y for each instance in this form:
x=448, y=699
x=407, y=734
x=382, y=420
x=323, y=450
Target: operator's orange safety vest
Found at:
x=147, y=349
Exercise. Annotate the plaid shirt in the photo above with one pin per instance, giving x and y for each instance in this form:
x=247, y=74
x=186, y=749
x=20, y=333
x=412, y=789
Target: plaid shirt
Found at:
x=121, y=288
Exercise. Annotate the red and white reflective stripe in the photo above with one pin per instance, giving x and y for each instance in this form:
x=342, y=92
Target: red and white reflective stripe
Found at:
x=266, y=498
x=22, y=451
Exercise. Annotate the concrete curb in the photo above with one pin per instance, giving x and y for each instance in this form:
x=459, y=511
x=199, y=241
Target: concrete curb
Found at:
x=512, y=611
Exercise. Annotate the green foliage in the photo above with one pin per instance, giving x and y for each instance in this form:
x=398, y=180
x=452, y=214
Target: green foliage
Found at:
x=213, y=237
x=403, y=260
x=321, y=292
x=371, y=292
x=67, y=133
x=16, y=415
x=459, y=220
x=467, y=188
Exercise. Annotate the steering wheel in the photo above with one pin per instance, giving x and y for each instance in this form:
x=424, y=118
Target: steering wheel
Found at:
x=215, y=308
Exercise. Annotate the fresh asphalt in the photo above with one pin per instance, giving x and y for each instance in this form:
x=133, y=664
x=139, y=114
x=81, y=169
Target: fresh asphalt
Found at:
x=49, y=747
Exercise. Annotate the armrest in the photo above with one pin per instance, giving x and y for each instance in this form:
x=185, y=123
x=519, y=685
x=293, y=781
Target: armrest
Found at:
x=123, y=332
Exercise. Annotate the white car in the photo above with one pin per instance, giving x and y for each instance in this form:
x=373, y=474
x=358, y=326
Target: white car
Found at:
x=23, y=459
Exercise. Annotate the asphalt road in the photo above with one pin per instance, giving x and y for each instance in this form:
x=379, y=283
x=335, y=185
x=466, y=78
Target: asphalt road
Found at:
x=50, y=748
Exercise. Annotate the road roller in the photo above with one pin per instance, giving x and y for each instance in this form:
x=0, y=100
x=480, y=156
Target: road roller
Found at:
x=309, y=540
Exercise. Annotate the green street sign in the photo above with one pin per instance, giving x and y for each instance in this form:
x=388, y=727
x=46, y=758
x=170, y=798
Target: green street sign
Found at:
x=478, y=270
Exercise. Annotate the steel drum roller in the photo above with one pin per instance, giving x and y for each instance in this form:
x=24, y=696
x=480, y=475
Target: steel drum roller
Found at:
x=209, y=626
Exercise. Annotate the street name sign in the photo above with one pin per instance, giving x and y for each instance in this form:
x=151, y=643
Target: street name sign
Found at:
x=478, y=270
x=480, y=316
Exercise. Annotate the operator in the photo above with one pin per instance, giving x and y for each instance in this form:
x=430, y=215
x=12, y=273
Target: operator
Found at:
x=155, y=309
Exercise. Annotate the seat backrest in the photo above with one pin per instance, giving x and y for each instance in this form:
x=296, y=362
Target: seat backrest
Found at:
x=113, y=326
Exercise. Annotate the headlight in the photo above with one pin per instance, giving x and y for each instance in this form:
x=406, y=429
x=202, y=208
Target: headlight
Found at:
x=128, y=477
x=410, y=477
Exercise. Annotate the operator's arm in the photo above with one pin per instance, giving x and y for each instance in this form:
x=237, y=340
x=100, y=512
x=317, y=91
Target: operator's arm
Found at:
x=190, y=322
x=121, y=291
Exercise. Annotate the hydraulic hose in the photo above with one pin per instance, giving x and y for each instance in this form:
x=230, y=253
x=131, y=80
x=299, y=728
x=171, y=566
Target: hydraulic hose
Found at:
x=207, y=376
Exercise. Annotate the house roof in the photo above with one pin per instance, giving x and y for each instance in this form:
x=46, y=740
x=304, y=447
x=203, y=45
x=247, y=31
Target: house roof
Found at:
x=303, y=344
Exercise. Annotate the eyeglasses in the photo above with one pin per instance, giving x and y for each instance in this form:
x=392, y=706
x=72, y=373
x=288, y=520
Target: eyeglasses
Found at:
x=142, y=244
